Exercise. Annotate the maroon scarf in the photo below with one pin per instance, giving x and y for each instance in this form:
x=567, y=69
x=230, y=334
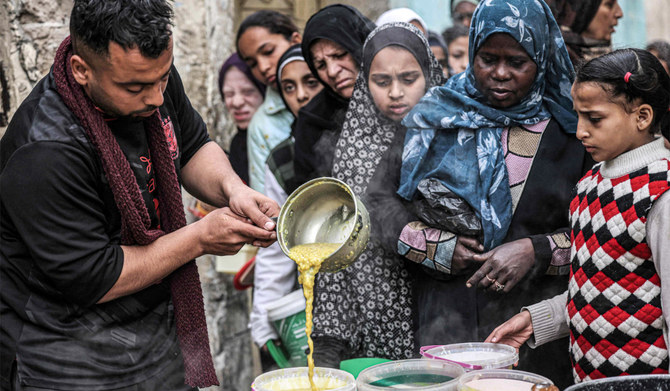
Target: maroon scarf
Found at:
x=136, y=229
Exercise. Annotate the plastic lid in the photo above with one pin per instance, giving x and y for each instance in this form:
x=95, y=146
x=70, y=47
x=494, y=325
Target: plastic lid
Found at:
x=499, y=379
x=288, y=305
x=474, y=355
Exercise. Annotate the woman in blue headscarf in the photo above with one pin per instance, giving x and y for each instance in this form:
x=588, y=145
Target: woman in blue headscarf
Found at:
x=501, y=137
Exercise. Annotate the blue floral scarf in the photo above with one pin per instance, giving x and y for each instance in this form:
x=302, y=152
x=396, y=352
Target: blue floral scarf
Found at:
x=455, y=137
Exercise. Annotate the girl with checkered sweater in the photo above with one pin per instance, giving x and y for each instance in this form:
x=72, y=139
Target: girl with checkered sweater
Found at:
x=613, y=309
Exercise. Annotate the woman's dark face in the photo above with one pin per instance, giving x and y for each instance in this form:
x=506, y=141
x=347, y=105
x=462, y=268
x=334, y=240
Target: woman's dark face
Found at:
x=503, y=71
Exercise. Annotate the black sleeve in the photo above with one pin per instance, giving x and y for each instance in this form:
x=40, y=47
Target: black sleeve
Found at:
x=49, y=192
x=388, y=212
x=192, y=128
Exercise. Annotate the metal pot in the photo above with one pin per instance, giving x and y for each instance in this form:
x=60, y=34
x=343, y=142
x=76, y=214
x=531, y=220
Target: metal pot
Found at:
x=625, y=383
x=325, y=210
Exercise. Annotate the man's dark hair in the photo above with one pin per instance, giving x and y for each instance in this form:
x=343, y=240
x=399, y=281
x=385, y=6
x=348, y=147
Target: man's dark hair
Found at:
x=273, y=21
x=662, y=48
x=141, y=24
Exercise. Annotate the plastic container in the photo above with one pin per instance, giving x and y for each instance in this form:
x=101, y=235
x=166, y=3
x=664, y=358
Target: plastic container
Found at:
x=295, y=379
x=232, y=263
x=474, y=355
x=500, y=380
x=625, y=383
x=414, y=374
x=288, y=317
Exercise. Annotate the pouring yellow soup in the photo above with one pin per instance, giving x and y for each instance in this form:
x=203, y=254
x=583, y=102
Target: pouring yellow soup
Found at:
x=309, y=257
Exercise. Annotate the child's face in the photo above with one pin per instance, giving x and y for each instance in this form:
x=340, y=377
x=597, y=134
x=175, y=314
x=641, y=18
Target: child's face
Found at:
x=396, y=82
x=261, y=50
x=298, y=85
x=605, y=128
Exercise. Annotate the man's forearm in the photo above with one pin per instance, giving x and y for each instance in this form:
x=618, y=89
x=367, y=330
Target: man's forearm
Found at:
x=147, y=265
x=208, y=176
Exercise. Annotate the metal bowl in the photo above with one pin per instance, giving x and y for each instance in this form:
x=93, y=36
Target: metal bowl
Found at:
x=325, y=210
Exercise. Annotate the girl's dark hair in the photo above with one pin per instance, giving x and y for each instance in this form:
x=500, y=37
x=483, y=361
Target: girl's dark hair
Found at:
x=454, y=32
x=647, y=82
x=273, y=21
x=132, y=24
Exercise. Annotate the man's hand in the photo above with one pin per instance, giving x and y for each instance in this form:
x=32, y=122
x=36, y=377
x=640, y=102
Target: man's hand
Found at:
x=515, y=332
x=504, y=266
x=224, y=232
x=257, y=207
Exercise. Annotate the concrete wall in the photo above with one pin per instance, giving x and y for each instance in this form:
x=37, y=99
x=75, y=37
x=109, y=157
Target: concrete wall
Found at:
x=658, y=19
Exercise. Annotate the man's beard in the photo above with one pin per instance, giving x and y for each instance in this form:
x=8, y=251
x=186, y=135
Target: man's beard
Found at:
x=105, y=104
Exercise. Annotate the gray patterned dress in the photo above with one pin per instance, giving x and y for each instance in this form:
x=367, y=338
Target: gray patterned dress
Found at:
x=368, y=306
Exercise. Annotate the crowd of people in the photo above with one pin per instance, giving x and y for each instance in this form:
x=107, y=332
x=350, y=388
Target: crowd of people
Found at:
x=515, y=169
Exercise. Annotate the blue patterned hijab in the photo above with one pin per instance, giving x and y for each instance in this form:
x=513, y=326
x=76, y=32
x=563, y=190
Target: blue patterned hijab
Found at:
x=452, y=134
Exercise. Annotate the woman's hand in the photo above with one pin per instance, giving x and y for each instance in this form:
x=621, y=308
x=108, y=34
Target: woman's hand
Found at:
x=515, y=332
x=504, y=266
x=464, y=252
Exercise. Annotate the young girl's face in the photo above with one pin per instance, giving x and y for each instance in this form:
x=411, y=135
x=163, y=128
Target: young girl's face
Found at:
x=396, y=82
x=298, y=85
x=458, y=54
x=606, y=128
x=260, y=49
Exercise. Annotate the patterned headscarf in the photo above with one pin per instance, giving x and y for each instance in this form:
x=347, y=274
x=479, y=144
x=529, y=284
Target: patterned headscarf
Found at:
x=366, y=132
x=454, y=136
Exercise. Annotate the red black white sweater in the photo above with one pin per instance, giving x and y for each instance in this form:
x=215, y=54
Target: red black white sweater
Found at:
x=614, y=304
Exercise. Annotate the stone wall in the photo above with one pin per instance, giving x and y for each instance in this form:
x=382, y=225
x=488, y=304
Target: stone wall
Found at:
x=204, y=38
x=30, y=32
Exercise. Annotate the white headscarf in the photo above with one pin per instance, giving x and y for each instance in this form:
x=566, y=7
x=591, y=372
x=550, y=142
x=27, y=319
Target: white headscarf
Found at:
x=401, y=15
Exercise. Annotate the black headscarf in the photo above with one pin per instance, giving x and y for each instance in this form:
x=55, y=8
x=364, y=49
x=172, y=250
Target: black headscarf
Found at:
x=339, y=23
x=576, y=14
x=320, y=121
x=294, y=53
x=398, y=34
